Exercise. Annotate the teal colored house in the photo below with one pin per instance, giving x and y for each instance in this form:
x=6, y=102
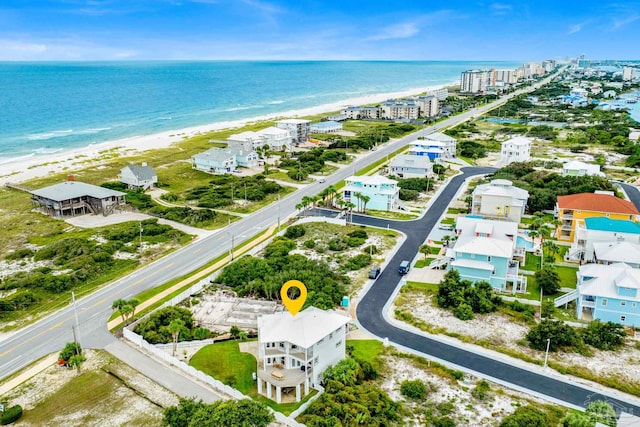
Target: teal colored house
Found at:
x=484, y=251
x=383, y=192
x=609, y=293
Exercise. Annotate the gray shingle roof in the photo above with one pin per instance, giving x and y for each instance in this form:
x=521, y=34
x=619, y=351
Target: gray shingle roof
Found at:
x=143, y=173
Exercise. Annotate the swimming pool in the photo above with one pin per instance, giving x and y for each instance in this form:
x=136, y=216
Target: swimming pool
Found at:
x=524, y=243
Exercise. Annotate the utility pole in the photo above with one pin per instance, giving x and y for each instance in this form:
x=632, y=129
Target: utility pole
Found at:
x=140, y=224
x=75, y=310
x=245, y=191
x=546, y=354
x=540, y=302
x=278, y=213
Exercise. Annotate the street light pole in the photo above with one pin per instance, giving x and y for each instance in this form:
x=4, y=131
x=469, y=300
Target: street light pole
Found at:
x=540, y=302
x=546, y=354
x=140, y=224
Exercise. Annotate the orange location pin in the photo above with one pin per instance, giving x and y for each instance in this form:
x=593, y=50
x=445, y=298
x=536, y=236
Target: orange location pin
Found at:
x=293, y=305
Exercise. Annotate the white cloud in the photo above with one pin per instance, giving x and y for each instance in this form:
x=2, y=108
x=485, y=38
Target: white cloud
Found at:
x=574, y=29
x=402, y=30
x=619, y=23
x=500, y=8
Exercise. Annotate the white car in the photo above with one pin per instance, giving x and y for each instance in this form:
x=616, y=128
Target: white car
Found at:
x=322, y=180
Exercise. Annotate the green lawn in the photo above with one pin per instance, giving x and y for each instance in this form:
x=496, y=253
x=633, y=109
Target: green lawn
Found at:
x=400, y=216
x=531, y=262
x=368, y=350
x=225, y=362
x=568, y=277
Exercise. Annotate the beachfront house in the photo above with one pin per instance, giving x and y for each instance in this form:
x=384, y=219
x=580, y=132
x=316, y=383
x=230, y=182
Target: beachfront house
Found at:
x=517, y=149
x=578, y=168
x=394, y=109
x=383, y=192
x=485, y=250
x=608, y=293
x=245, y=158
x=215, y=161
x=299, y=129
x=573, y=209
x=277, y=139
x=434, y=150
x=248, y=140
x=499, y=199
x=137, y=177
x=407, y=166
x=326, y=127
x=447, y=143
x=294, y=351
x=358, y=112
x=71, y=198
x=594, y=230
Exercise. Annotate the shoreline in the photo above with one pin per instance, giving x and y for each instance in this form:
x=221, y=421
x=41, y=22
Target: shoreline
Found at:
x=23, y=169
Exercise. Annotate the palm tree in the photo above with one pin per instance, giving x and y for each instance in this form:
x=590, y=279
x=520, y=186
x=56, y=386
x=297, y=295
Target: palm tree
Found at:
x=358, y=196
x=350, y=207
x=119, y=305
x=133, y=302
x=174, y=328
x=332, y=193
x=424, y=249
x=365, y=199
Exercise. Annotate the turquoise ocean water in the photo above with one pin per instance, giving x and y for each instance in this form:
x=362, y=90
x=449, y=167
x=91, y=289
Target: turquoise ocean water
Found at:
x=51, y=107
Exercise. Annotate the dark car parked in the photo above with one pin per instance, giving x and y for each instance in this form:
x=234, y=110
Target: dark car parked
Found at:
x=374, y=272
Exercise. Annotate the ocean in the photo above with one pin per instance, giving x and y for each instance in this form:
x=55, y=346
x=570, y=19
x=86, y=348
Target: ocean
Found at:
x=52, y=107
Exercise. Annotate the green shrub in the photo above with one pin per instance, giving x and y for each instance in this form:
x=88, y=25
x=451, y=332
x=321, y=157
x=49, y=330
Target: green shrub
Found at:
x=295, y=231
x=310, y=244
x=414, y=389
x=371, y=249
x=559, y=334
x=481, y=390
x=11, y=415
x=354, y=242
x=19, y=254
x=337, y=244
x=69, y=350
x=463, y=312
x=357, y=262
x=359, y=233
x=604, y=335
x=443, y=422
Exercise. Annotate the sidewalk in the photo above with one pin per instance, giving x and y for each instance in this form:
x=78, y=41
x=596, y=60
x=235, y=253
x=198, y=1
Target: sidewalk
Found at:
x=162, y=374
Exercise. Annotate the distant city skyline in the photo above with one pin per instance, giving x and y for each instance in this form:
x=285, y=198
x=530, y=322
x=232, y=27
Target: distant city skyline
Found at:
x=313, y=29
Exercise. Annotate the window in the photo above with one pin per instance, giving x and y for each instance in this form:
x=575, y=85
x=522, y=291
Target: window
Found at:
x=634, y=305
x=489, y=258
x=623, y=303
x=623, y=318
x=604, y=302
x=339, y=343
x=331, y=335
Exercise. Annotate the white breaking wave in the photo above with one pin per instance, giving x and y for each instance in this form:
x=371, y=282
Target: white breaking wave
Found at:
x=49, y=135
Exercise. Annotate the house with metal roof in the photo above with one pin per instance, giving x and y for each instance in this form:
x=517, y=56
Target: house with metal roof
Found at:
x=499, y=199
x=328, y=126
x=383, y=192
x=516, y=149
x=406, y=165
x=578, y=168
x=573, y=209
x=137, y=177
x=608, y=293
x=594, y=230
x=485, y=250
x=215, y=160
x=71, y=198
x=615, y=252
x=448, y=143
x=294, y=351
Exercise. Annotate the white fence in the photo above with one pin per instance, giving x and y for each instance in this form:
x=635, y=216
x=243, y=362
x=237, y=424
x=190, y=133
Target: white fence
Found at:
x=194, y=373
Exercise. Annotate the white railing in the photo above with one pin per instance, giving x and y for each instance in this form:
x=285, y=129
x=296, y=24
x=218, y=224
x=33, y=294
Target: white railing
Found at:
x=201, y=376
x=436, y=263
x=566, y=298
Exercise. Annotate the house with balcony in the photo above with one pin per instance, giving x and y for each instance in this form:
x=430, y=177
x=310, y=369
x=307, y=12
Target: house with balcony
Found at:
x=383, y=192
x=572, y=210
x=277, y=139
x=447, y=143
x=601, y=229
x=299, y=129
x=248, y=140
x=294, y=351
x=608, y=253
x=578, y=168
x=608, y=293
x=71, y=198
x=485, y=250
x=517, y=149
x=215, y=160
x=406, y=166
x=328, y=126
x=499, y=199
x=137, y=177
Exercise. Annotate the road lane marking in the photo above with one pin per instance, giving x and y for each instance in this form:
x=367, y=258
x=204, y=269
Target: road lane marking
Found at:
x=57, y=325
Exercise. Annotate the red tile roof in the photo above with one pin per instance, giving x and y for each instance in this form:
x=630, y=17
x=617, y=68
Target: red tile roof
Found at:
x=597, y=203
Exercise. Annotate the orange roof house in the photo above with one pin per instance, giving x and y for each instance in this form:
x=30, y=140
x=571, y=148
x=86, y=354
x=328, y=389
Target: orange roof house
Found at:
x=574, y=208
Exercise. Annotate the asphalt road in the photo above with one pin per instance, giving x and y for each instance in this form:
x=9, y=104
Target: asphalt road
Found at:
x=48, y=335
x=370, y=313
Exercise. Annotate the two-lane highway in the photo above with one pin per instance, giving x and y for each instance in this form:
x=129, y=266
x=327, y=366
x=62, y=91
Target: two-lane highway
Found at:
x=51, y=333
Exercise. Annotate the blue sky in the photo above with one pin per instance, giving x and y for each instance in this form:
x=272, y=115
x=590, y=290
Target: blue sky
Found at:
x=317, y=29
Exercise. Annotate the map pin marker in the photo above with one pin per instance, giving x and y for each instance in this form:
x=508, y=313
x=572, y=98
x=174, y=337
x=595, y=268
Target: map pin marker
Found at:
x=293, y=305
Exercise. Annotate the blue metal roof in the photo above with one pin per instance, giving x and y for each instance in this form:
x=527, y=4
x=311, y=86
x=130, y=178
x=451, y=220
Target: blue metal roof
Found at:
x=615, y=225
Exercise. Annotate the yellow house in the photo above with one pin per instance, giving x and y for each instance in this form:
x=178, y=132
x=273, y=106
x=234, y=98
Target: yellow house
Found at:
x=573, y=209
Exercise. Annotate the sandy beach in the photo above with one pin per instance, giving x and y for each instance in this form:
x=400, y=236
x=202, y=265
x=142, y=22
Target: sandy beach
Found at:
x=24, y=169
